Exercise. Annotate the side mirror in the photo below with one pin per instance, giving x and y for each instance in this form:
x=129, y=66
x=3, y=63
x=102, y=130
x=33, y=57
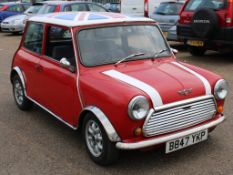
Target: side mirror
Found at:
x=67, y=65
x=174, y=51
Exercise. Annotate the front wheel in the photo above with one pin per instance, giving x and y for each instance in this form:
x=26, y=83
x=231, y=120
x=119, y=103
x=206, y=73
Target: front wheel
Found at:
x=18, y=91
x=101, y=150
x=196, y=51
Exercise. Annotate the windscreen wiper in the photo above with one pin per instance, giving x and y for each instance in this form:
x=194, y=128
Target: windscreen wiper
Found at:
x=156, y=54
x=128, y=57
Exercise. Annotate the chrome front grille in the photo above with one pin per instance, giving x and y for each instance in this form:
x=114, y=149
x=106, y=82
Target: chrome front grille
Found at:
x=179, y=116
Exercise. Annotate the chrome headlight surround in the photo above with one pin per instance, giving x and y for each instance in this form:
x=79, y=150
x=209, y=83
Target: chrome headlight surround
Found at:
x=221, y=89
x=138, y=108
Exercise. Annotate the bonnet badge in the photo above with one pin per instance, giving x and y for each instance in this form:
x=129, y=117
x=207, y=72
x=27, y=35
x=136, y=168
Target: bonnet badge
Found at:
x=185, y=92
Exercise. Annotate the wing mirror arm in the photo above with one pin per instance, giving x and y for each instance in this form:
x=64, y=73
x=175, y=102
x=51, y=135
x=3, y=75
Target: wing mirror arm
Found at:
x=64, y=63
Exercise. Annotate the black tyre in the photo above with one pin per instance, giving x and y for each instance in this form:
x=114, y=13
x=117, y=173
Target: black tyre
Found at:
x=18, y=91
x=196, y=51
x=15, y=33
x=101, y=150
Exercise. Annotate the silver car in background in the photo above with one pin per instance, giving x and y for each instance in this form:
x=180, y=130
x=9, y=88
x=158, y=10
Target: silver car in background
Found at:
x=167, y=15
x=15, y=24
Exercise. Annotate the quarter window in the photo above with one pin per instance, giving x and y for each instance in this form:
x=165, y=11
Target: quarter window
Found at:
x=34, y=37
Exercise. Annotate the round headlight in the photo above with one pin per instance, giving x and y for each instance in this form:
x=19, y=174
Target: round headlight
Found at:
x=138, y=108
x=221, y=89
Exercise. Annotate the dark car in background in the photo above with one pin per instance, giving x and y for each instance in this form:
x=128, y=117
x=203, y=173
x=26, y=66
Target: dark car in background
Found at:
x=207, y=25
x=12, y=8
x=167, y=15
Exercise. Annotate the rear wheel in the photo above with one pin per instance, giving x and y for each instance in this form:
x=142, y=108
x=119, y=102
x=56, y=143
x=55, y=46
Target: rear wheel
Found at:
x=18, y=91
x=196, y=51
x=101, y=150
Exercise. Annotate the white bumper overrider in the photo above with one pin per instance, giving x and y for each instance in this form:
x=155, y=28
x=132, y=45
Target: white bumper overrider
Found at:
x=163, y=139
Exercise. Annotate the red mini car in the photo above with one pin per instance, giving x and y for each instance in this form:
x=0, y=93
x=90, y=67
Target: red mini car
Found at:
x=116, y=79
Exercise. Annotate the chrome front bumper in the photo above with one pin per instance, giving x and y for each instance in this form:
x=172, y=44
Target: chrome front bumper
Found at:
x=163, y=139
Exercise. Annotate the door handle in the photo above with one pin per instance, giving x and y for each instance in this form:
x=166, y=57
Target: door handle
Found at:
x=38, y=68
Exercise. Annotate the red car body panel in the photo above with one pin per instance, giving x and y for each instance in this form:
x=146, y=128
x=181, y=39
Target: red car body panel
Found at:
x=58, y=89
x=111, y=90
x=27, y=62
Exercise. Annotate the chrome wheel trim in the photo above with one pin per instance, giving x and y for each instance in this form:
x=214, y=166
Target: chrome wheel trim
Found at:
x=18, y=92
x=94, y=138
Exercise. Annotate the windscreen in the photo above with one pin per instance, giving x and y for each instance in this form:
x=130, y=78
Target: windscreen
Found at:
x=47, y=9
x=213, y=4
x=169, y=9
x=108, y=45
x=33, y=9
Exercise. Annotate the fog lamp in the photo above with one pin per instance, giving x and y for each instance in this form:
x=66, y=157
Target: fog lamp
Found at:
x=138, y=131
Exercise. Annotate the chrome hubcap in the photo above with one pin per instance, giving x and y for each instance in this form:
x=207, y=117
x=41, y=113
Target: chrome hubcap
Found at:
x=94, y=138
x=18, y=92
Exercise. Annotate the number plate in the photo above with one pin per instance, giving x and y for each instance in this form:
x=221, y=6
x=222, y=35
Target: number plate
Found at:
x=195, y=43
x=185, y=141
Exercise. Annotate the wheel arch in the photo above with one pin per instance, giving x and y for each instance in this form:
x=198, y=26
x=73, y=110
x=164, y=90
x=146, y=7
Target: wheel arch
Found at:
x=17, y=71
x=108, y=127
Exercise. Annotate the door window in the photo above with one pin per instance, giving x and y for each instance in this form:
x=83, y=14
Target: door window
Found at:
x=76, y=7
x=96, y=8
x=47, y=9
x=34, y=37
x=59, y=44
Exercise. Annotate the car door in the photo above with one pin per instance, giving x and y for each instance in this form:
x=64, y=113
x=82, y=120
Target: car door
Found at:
x=29, y=56
x=58, y=91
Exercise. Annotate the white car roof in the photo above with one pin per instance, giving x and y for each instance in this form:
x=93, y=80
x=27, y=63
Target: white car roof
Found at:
x=73, y=19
